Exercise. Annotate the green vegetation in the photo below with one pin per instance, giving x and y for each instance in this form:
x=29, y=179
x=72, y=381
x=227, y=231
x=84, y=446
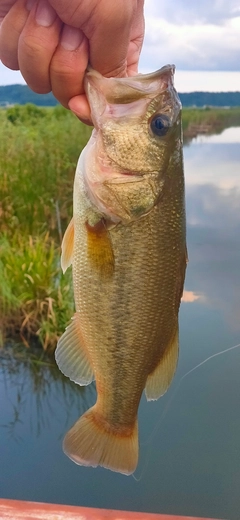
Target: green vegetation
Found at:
x=35, y=297
x=213, y=119
x=39, y=148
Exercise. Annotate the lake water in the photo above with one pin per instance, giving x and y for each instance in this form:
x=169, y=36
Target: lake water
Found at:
x=189, y=439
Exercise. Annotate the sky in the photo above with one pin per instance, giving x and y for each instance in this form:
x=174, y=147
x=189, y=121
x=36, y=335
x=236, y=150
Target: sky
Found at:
x=201, y=38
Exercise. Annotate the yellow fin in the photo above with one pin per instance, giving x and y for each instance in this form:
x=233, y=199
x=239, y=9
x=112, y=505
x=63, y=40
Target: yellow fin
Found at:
x=93, y=442
x=159, y=380
x=71, y=354
x=67, y=246
x=99, y=245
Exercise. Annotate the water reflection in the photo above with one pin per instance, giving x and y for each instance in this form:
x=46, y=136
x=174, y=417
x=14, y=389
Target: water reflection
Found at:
x=190, y=448
x=213, y=202
x=190, y=296
x=32, y=386
x=214, y=160
x=229, y=135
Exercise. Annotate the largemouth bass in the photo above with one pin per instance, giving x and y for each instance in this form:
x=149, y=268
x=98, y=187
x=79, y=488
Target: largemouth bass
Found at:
x=126, y=244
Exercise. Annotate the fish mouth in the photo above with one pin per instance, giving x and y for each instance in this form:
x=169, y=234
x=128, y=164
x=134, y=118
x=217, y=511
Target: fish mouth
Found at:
x=131, y=88
x=119, y=97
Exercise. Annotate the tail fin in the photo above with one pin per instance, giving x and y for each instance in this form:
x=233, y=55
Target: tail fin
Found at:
x=92, y=442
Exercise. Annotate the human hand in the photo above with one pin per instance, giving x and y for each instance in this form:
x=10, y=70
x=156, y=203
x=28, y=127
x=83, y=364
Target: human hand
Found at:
x=52, y=41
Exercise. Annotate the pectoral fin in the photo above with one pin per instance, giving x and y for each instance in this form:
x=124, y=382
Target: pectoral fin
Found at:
x=67, y=246
x=99, y=247
x=71, y=354
x=159, y=380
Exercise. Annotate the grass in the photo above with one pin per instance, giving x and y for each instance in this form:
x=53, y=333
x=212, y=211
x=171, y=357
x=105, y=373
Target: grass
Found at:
x=39, y=149
x=216, y=118
x=38, y=156
x=36, y=300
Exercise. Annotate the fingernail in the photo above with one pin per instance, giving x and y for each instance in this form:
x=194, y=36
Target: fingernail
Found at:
x=45, y=14
x=71, y=38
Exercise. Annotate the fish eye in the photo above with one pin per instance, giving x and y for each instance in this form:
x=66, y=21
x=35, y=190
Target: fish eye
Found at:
x=160, y=124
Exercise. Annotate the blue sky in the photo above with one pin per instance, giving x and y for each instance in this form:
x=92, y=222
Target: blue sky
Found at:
x=196, y=36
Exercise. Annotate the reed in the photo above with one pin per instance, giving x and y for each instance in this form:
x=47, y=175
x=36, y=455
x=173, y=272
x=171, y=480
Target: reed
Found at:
x=36, y=301
x=39, y=149
x=215, y=118
x=38, y=154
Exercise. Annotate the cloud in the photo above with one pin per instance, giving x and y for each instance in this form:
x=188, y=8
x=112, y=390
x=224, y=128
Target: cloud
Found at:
x=213, y=223
x=207, y=164
x=213, y=247
x=193, y=35
x=182, y=12
x=190, y=297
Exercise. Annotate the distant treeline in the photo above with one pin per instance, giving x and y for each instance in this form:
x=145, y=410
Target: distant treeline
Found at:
x=215, y=99
x=22, y=94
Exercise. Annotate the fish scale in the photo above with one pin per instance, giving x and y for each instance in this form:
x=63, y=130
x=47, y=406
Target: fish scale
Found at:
x=129, y=257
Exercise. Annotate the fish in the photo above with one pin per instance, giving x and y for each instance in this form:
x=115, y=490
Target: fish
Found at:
x=126, y=243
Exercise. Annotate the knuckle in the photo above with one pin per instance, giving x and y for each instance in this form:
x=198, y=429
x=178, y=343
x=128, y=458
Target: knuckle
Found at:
x=62, y=66
x=34, y=45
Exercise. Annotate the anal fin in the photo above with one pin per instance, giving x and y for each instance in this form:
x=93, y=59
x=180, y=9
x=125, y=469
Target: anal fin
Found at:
x=71, y=354
x=160, y=379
